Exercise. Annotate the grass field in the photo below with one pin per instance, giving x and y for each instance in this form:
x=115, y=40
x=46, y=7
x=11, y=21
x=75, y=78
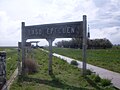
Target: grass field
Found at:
x=11, y=60
x=64, y=77
x=106, y=58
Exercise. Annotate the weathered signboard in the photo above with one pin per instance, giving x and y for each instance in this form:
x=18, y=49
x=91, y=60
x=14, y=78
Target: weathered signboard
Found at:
x=51, y=31
x=59, y=30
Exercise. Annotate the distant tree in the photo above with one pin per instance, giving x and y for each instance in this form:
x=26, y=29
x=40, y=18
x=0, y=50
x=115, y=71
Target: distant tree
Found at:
x=100, y=43
x=91, y=43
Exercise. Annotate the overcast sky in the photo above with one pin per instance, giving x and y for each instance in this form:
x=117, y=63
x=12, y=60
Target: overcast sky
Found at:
x=103, y=17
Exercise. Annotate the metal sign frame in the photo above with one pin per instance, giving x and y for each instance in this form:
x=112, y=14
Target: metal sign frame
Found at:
x=52, y=31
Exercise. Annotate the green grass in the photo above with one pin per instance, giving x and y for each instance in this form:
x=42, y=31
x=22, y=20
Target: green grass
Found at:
x=64, y=77
x=11, y=60
x=105, y=58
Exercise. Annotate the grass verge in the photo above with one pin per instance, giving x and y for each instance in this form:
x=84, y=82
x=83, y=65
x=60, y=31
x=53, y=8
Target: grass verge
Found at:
x=64, y=77
x=11, y=60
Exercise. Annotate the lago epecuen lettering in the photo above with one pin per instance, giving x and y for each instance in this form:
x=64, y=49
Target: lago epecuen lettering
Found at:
x=48, y=31
x=66, y=30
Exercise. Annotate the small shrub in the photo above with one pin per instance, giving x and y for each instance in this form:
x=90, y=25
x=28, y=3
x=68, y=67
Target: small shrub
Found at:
x=30, y=66
x=88, y=72
x=92, y=76
x=105, y=82
x=74, y=63
x=97, y=78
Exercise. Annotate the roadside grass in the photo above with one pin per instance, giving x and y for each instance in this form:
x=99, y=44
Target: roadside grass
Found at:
x=105, y=58
x=11, y=60
x=64, y=77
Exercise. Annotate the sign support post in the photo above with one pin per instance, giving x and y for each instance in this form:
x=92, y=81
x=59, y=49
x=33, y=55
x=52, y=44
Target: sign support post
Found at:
x=50, y=40
x=50, y=32
x=84, y=44
x=23, y=48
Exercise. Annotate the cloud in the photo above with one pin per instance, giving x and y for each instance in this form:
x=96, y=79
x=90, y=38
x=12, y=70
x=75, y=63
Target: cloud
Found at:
x=9, y=30
x=107, y=21
x=103, y=16
x=101, y=3
x=111, y=33
x=108, y=15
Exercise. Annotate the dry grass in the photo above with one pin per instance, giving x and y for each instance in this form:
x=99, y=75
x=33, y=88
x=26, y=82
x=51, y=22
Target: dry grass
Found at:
x=30, y=66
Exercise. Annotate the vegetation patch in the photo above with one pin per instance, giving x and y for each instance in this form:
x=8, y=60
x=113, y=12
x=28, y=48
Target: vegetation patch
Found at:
x=88, y=72
x=30, y=66
x=64, y=77
x=105, y=82
x=101, y=84
x=95, y=78
x=73, y=62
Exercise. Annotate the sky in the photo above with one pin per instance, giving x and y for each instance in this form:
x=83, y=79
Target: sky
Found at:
x=103, y=17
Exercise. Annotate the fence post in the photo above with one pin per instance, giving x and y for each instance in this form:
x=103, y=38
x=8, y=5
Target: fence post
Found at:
x=19, y=64
x=2, y=68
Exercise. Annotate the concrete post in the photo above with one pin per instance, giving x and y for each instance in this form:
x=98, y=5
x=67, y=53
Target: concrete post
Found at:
x=19, y=65
x=23, y=48
x=2, y=68
x=84, y=44
x=50, y=56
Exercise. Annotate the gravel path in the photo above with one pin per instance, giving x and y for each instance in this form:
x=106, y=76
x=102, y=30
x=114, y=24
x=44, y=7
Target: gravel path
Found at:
x=103, y=73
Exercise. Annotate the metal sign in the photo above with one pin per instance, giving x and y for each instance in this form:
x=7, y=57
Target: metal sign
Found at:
x=58, y=30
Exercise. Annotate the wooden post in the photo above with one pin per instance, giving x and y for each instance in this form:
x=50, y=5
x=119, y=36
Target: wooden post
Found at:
x=23, y=48
x=50, y=40
x=84, y=44
x=19, y=65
